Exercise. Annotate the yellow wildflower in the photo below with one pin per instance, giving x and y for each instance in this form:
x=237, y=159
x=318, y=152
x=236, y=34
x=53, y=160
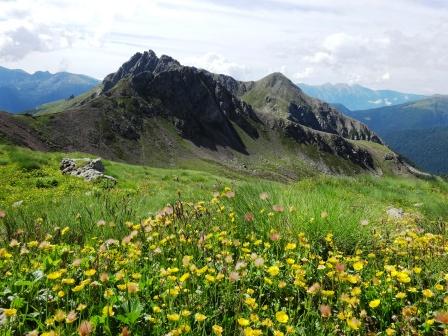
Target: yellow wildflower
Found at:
x=390, y=332
x=68, y=281
x=374, y=303
x=243, y=322
x=281, y=317
x=273, y=270
x=173, y=317
x=400, y=295
x=217, y=330
x=108, y=310
x=358, y=265
x=199, y=317
x=290, y=246
x=427, y=293
x=78, y=288
x=59, y=316
x=251, y=302
x=184, y=277
x=353, y=323
x=54, y=275
x=10, y=312
x=185, y=313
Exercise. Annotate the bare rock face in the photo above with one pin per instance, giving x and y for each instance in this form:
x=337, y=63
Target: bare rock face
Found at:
x=202, y=109
x=89, y=169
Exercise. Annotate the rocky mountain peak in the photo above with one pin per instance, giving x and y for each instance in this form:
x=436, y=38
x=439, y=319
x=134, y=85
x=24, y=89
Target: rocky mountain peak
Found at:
x=276, y=81
x=139, y=63
x=275, y=77
x=276, y=95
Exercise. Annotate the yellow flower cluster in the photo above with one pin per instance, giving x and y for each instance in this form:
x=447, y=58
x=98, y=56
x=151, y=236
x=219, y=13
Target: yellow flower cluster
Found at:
x=192, y=269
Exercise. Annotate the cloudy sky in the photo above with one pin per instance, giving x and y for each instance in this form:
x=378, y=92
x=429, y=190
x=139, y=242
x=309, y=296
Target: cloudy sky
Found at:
x=395, y=44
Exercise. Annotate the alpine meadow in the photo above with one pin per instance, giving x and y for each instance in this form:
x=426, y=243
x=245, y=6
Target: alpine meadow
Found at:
x=206, y=192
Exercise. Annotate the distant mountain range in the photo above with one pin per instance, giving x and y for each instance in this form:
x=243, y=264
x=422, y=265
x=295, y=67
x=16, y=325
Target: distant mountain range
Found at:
x=21, y=91
x=418, y=130
x=357, y=97
x=153, y=110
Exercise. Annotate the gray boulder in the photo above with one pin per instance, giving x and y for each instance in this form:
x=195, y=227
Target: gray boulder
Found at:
x=395, y=213
x=89, y=169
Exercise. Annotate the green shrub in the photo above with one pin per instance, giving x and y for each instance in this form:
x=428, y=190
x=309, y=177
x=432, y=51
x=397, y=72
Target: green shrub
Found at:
x=46, y=183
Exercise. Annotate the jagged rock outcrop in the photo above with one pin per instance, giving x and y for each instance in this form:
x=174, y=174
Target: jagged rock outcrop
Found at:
x=140, y=63
x=89, y=169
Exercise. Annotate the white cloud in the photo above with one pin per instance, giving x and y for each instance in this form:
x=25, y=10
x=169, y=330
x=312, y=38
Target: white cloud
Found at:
x=218, y=64
x=385, y=76
x=337, y=41
x=402, y=44
x=376, y=102
x=306, y=73
x=16, y=43
x=319, y=58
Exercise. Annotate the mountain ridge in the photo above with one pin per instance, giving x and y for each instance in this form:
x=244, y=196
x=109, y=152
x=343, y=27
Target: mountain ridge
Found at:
x=425, y=113
x=21, y=91
x=414, y=129
x=357, y=97
x=156, y=111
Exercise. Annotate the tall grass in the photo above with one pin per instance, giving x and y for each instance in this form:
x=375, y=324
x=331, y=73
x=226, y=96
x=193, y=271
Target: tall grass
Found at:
x=347, y=207
x=49, y=201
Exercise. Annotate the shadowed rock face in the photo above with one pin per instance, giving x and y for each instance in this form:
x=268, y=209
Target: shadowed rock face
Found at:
x=201, y=108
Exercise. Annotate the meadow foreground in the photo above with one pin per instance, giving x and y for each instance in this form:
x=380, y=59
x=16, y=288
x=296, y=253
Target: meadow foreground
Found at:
x=254, y=260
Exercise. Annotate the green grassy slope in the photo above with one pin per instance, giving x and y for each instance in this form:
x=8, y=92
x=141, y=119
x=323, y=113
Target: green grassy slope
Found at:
x=63, y=104
x=33, y=179
x=230, y=255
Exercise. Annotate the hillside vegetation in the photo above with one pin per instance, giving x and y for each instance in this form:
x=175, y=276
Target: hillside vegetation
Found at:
x=417, y=130
x=423, y=114
x=428, y=148
x=208, y=252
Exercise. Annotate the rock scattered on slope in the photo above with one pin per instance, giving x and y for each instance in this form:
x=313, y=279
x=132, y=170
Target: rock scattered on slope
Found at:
x=89, y=169
x=395, y=213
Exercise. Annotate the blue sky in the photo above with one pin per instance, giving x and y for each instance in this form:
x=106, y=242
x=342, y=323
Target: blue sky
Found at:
x=400, y=44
